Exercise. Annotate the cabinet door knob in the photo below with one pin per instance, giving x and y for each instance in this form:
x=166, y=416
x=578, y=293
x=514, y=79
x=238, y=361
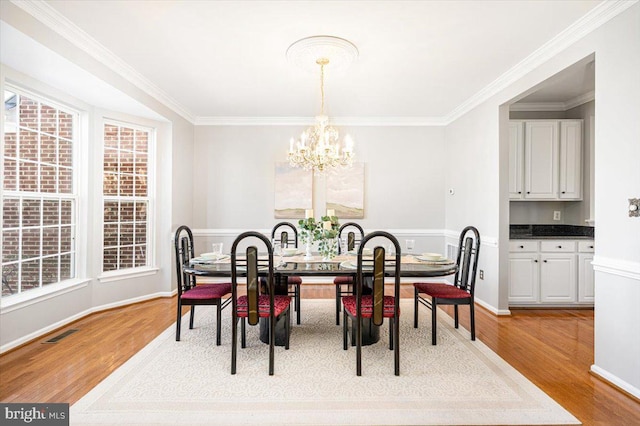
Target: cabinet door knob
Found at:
x=558, y=246
x=545, y=261
x=528, y=192
x=521, y=246
x=536, y=261
x=590, y=246
x=519, y=192
x=563, y=192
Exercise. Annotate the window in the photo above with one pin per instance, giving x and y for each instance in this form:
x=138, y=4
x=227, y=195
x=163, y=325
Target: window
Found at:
x=126, y=197
x=39, y=199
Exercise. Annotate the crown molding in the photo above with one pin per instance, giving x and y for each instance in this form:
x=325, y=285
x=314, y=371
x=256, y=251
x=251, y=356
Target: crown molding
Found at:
x=554, y=106
x=57, y=22
x=579, y=100
x=589, y=22
x=538, y=106
x=61, y=25
x=307, y=121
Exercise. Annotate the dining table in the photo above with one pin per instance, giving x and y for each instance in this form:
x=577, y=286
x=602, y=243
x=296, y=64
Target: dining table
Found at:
x=411, y=266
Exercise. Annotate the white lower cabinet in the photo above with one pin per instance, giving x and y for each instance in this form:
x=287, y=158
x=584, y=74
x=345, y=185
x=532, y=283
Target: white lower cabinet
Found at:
x=524, y=277
x=586, y=293
x=550, y=272
x=558, y=277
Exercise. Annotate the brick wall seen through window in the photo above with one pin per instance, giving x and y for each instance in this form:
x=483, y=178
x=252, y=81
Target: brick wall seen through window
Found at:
x=126, y=197
x=39, y=199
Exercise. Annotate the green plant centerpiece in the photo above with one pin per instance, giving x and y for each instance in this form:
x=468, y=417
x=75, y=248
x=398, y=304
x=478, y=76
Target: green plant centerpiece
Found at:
x=325, y=231
x=327, y=235
x=308, y=229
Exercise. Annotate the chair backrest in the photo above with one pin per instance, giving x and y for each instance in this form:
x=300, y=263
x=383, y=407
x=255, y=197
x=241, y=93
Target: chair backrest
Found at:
x=353, y=233
x=255, y=260
x=286, y=234
x=378, y=263
x=467, y=259
x=183, y=242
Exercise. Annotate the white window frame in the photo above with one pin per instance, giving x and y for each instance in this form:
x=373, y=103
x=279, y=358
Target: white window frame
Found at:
x=149, y=268
x=78, y=137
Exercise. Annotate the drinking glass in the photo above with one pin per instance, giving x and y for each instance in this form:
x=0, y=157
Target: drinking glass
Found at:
x=277, y=249
x=343, y=246
x=216, y=248
x=410, y=245
x=391, y=250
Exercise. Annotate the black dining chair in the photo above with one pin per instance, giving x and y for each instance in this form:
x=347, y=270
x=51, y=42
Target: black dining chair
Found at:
x=462, y=290
x=255, y=305
x=286, y=234
x=192, y=294
x=353, y=233
x=376, y=306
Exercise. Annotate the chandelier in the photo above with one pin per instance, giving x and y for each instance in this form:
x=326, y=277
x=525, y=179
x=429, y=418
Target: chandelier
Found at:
x=318, y=148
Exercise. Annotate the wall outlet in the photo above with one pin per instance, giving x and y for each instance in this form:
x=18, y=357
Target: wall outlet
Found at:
x=481, y=274
x=556, y=215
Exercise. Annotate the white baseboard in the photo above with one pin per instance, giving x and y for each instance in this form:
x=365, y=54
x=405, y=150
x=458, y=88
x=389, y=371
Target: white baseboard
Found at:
x=616, y=381
x=492, y=309
x=39, y=333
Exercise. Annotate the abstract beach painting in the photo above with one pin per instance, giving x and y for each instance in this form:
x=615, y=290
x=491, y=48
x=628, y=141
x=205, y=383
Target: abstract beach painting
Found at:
x=345, y=191
x=293, y=192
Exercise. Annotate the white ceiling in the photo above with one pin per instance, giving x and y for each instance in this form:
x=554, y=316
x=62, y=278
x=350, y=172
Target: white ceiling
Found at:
x=417, y=59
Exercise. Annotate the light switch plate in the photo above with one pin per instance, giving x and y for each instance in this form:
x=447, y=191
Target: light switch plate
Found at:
x=634, y=207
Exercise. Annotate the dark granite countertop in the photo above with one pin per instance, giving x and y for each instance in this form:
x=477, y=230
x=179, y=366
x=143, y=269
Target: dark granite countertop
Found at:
x=548, y=232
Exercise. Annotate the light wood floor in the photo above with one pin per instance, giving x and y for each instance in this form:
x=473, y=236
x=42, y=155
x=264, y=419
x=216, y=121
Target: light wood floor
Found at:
x=552, y=348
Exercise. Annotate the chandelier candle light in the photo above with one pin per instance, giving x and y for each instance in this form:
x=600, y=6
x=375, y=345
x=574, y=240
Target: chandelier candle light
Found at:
x=318, y=147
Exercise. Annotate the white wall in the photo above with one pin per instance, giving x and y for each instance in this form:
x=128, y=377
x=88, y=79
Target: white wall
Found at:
x=580, y=213
x=617, y=168
x=404, y=180
x=58, y=305
x=473, y=161
x=617, y=177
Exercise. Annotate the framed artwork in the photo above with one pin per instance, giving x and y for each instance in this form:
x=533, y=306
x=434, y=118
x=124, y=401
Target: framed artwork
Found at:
x=345, y=191
x=293, y=192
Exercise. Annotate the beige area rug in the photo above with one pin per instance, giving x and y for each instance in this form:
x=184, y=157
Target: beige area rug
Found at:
x=457, y=382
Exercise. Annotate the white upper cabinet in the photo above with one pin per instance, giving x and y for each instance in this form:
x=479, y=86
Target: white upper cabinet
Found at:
x=516, y=159
x=541, y=160
x=545, y=160
x=570, y=160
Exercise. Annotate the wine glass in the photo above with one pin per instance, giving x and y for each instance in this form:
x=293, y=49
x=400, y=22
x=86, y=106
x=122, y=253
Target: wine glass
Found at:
x=410, y=245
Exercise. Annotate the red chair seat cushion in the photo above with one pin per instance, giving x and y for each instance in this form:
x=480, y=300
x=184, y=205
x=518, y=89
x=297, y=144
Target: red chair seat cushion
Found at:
x=207, y=291
x=349, y=303
x=441, y=291
x=294, y=280
x=343, y=280
x=280, y=304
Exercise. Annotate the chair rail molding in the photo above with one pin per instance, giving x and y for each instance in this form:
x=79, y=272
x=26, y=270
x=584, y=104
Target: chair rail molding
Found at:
x=233, y=232
x=484, y=240
x=622, y=268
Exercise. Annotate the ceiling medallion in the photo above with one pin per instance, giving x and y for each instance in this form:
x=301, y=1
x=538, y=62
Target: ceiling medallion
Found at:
x=305, y=52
